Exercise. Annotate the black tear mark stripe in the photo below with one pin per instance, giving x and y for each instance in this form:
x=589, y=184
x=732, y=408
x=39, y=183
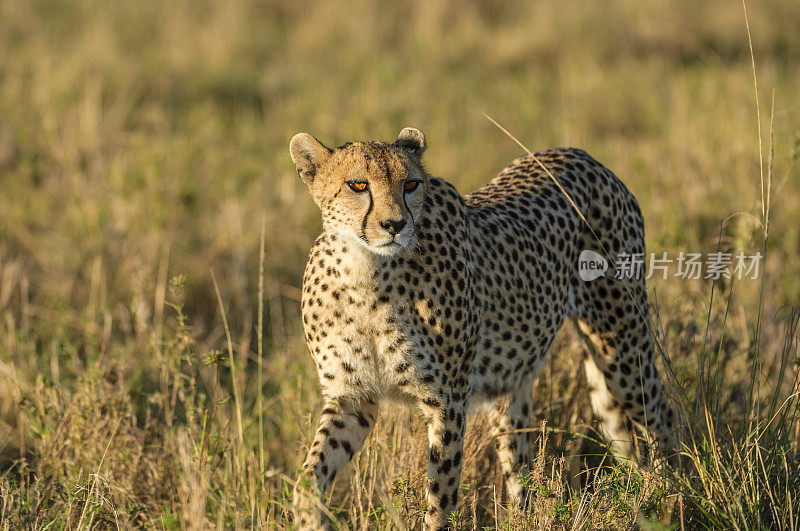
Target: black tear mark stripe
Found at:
x=405, y=204
x=364, y=221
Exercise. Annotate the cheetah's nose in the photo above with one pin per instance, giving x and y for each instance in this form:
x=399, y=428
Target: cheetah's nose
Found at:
x=393, y=226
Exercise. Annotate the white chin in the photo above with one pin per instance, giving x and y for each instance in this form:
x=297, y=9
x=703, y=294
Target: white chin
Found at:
x=388, y=249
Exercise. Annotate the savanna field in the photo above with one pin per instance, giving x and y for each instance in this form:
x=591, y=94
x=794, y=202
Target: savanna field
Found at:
x=153, y=371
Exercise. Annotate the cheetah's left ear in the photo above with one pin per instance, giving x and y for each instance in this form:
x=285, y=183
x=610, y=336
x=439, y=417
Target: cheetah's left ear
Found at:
x=308, y=154
x=412, y=140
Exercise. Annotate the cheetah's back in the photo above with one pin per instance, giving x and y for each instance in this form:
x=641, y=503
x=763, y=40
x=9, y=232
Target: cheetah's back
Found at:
x=526, y=238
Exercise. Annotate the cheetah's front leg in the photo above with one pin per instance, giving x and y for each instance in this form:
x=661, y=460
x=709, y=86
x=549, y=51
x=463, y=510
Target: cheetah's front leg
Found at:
x=342, y=429
x=511, y=425
x=446, y=422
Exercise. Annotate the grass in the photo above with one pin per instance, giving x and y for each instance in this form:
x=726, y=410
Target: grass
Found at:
x=152, y=366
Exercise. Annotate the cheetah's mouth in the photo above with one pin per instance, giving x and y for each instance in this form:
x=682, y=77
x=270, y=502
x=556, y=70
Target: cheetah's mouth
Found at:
x=391, y=246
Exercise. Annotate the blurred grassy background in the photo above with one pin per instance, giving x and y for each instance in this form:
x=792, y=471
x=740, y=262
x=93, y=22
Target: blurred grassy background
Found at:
x=142, y=145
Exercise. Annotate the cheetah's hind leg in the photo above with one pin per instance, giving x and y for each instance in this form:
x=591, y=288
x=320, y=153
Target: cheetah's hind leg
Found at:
x=624, y=385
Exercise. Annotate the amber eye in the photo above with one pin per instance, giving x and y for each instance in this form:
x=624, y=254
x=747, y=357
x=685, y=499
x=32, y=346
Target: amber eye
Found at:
x=357, y=186
x=410, y=186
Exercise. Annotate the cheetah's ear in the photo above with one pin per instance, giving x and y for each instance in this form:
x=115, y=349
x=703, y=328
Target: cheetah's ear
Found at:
x=412, y=140
x=308, y=154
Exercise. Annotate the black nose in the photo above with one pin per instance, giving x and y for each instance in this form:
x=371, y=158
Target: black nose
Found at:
x=393, y=226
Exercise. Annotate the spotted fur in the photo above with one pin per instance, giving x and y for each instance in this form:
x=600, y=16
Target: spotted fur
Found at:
x=461, y=304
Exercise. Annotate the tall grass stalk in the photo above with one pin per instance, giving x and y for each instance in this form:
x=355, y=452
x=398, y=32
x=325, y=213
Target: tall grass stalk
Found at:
x=260, y=333
x=234, y=376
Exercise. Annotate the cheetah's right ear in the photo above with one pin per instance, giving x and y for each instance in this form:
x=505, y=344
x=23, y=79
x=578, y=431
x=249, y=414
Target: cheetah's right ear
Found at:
x=308, y=154
x=412, y=140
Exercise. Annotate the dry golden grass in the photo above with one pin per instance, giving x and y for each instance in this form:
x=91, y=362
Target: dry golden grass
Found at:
x=143, y=144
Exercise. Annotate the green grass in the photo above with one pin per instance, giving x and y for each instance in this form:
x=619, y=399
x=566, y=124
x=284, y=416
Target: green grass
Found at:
x=144, y=144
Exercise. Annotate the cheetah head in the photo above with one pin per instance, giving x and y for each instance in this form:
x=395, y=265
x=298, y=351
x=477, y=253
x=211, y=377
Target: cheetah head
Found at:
x=369, y=192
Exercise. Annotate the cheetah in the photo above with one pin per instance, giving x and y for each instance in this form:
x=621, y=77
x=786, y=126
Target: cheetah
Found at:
x=415, y=293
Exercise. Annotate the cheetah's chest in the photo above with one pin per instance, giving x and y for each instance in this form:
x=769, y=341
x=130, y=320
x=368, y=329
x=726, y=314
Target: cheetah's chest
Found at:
x=362, y=338
x=363, y=344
